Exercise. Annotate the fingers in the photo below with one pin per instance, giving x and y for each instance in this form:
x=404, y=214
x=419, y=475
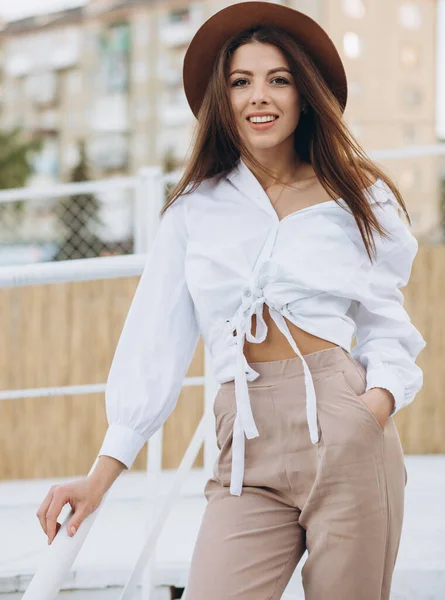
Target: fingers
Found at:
x=59, y=499
x=43, y=508
x=83, y=499
x=75, y=522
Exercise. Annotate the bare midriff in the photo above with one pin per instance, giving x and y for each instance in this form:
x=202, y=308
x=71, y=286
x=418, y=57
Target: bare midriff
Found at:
x=276, y=346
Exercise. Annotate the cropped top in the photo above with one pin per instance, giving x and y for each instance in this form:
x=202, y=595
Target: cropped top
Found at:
x=220, y=253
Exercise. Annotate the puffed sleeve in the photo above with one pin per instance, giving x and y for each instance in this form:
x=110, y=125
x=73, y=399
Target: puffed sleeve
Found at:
x=156, y=346
x=387, y=342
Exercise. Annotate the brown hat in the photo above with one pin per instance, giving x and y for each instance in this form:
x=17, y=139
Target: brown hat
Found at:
x=203, y=49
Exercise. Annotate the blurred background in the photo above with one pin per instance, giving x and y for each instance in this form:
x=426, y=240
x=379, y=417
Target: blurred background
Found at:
x=93, y=89
x=92, y=110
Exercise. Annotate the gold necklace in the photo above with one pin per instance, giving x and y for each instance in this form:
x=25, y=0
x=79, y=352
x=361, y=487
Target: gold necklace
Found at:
x=282, y=188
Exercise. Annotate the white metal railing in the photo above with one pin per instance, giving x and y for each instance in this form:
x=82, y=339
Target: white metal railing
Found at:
x=408, y=152
x=144, y=185
x=149, y=199
x=149, y=186
x=82, y=269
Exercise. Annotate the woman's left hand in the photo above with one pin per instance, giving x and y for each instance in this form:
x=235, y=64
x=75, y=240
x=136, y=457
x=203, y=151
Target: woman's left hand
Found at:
x=380, y=402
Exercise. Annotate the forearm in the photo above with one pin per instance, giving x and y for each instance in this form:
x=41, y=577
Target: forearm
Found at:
x=107, y=470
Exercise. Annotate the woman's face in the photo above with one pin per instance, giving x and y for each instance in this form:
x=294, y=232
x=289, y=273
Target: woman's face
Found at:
x=259, y=90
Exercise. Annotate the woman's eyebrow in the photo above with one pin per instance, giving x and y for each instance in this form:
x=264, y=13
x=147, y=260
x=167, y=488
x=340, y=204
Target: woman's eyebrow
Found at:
x=275, y=70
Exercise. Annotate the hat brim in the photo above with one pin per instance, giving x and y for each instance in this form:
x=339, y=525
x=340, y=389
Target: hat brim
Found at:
x=202, y=51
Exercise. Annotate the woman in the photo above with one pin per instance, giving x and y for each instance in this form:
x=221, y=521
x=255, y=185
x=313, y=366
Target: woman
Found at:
x=280, y=243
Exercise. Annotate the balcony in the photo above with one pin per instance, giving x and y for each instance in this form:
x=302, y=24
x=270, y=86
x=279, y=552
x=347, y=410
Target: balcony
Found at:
x=179, y=26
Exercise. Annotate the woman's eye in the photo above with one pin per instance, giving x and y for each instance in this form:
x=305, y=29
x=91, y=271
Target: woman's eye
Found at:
x=237, y=81
x=234, y=84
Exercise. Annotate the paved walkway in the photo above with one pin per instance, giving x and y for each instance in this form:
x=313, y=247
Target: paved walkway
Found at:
x=112, y=546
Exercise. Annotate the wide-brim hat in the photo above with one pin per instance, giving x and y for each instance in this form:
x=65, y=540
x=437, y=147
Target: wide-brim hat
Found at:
x=202, y=51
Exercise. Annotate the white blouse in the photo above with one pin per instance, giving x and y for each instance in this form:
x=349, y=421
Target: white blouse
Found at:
x=219, y=255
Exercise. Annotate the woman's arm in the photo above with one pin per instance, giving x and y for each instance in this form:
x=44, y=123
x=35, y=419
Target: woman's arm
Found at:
x=157, y=343
x=387, y=342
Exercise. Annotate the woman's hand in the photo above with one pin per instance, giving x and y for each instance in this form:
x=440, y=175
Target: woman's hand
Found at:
x=83, y=496
x=380, y=402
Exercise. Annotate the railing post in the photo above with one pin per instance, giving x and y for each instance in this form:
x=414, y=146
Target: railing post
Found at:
x=149, y=199
x=154, y=468
x=211, y=386
x=440, y=74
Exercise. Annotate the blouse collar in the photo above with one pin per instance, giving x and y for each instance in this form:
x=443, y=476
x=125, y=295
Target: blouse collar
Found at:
x=246, y=182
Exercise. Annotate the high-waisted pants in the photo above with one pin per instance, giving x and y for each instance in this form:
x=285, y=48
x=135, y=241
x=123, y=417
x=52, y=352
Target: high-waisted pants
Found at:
x=341, y=499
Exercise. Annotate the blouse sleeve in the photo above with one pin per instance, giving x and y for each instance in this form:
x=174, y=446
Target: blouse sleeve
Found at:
x=155, y=348
x=387, y=343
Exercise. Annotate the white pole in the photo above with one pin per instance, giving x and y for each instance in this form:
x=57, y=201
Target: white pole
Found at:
x=155, y=198
x=211, y=386
x=141, y=203
x=154, y=468
x=164, y=508
x=440, y=70
x=59, y=557
x=152, y=195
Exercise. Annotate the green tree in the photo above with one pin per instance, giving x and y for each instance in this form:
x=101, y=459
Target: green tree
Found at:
x=16, y=154
x=16, y=158
x=79, y=214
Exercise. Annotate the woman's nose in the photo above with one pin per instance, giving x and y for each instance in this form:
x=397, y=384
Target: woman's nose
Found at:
x=259, y=92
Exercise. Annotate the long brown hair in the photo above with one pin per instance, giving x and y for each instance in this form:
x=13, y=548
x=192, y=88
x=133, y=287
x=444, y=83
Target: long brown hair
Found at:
x=322, y=138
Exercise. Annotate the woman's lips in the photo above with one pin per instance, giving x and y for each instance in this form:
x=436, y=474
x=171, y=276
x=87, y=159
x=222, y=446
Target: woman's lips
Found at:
x=262, y=126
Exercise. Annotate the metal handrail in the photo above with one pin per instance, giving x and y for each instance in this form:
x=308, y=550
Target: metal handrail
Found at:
x=66, y=189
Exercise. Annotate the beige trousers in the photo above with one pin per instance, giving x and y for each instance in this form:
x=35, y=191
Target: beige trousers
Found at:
x=341, y=499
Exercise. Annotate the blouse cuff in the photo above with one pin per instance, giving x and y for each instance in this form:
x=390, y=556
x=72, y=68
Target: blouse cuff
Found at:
x=123, y=443
x=384, y=378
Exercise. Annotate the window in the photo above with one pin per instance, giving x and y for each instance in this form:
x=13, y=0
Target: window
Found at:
x=410, y=15
x=354, y=8
x=181, y=15
x=141, y=31
x=352, y=45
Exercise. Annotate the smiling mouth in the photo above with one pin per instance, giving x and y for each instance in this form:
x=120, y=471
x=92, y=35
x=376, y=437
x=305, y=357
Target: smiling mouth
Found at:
x=275, y=118
x=263, y=125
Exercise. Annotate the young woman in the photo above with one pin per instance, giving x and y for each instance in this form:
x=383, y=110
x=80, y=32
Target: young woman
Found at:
x=281, y=242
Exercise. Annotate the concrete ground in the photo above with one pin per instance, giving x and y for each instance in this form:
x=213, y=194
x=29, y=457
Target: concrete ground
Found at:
x=111, y=549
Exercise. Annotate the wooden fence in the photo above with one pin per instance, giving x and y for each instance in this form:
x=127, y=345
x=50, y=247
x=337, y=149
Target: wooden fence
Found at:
x=65, y=334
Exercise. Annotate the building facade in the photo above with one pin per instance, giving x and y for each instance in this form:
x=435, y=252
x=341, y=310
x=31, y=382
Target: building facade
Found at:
x=110, y=73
